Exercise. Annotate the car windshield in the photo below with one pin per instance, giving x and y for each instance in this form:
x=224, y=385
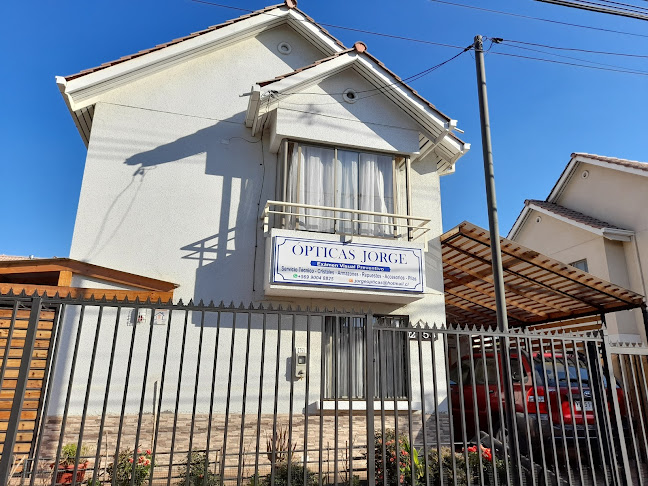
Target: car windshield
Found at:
x=564, y=369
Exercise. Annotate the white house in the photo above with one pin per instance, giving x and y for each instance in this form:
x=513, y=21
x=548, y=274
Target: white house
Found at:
x=594, y=219
x=258, y=161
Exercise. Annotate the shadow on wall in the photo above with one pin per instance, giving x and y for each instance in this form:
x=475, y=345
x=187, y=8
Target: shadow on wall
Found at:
x=225, y=255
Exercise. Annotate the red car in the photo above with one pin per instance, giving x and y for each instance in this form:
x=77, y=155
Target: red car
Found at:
x=554, y=401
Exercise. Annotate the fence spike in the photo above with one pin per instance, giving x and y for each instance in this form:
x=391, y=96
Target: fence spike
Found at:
x=251, y=306
x=103, y=299
x=11, y=292
x=299, y=308
x=211, y=304
x=279, y=307
x=241, y=305
x=232, y=305
x=200, y=303
x=180, y=303
x=191, y=303
x=270, y=307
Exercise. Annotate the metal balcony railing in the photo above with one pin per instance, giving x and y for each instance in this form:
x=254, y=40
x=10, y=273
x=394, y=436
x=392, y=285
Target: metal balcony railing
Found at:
x=299, y=216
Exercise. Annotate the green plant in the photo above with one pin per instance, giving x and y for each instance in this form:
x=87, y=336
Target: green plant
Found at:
x=197, y=472
x=69, y=452
x=126, y=468
x=400, y=472
x=281, y=476
x=459, y=471
x=278, y=446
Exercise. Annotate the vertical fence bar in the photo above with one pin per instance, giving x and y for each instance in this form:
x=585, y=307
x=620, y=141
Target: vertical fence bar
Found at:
x=49, y=373
x=260, y=405
x=273, y=458
x=229, y=396
x=159, y=407
x=213, y=391
x=408, y=390
x=462, y=410
x=369, y=396
x=321, y=398
x=19, y=394
x=397, y=443
x=435, y=393
x=633, y=434
x=291, y=404
x=69, y=390
x=243, y=405
x=426, y=466
x=87, y=393
x=604, y=446
x=195, y=398
x=473, y=390
x=383, y=387
x=612, y=384
x=177, y=401
x=499, y=378
x=450, y=413
x=489, y=411
x=336, y=393
x=306, y=397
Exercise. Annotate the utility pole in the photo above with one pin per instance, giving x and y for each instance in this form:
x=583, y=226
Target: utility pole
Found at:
x=496, y=258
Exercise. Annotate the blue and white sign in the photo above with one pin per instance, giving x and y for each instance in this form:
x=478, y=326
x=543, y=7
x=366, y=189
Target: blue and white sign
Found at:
x=336, y=264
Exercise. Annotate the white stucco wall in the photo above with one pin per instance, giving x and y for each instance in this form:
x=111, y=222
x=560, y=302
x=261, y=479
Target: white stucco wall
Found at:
x=614, y=197
x=172, y=189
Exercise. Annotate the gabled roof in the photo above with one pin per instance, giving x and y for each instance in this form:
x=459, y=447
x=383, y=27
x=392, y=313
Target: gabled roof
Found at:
x=435, y=126
x=629, y=166
x=82, y=90
x=581, y=220
x=262, y=11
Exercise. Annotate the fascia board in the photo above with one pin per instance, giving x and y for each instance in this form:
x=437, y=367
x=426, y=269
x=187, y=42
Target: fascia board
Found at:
x=562, y=181
x=432, y=121
x=84, y=90
x=310, y=76
x=610, y=165
x=519, y=222
x=303, y=25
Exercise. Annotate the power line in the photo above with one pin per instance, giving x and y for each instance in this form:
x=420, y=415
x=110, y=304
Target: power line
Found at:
x=622, y=68
x=599, y=8
x=529, y=17
x=625, y=71
x=606, y=53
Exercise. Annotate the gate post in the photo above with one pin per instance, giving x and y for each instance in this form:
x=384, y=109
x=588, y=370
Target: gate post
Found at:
x=369, y=393
x=612, y=392
x=21, y=386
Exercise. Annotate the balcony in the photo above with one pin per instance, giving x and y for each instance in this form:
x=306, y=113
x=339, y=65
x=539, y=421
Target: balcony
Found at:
x=342, y=221
x=343, y=254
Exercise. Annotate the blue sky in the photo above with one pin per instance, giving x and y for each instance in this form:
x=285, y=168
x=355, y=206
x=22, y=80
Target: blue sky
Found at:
x=540, y=112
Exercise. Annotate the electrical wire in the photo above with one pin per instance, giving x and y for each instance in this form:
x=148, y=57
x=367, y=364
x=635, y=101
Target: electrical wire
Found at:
x=573, y=58
x=605, y=53
x=625, y=71
x=529, y=17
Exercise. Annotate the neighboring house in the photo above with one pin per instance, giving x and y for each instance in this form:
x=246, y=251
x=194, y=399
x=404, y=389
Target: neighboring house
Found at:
x=189, y=144
x=595, y=219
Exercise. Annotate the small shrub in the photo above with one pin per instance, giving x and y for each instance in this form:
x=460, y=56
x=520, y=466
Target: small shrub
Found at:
x=397, y=474
x=197, y=472
x=69, y=452
x=459, y=472
x=281, y=476
x=124, y=469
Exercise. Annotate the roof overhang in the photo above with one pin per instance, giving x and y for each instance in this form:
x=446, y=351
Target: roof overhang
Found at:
x=615, y=234
x=539, y=290
x=82, y=92
x=436, y=128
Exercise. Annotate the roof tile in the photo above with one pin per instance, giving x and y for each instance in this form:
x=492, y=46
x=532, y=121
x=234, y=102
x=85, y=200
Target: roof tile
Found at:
x=633, y=164
x=571, y=214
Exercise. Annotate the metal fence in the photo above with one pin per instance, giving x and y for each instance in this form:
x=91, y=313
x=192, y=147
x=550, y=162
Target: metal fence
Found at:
x=133, y=393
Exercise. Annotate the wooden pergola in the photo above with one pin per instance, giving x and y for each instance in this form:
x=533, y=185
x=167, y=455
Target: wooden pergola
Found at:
x=541, y=292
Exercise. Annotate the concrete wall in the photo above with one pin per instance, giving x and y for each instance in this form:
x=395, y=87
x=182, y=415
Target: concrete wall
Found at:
x=173, y=188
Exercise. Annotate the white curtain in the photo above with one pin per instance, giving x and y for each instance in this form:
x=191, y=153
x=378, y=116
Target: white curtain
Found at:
x=347, y=189
x=344, y=357
x=316, y=175
x=355, y=180
x=376, y=193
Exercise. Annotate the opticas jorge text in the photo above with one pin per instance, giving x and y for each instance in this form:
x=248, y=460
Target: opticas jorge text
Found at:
x=350, y=254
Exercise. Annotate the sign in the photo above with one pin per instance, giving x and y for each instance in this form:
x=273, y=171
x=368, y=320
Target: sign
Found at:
x=356, y=265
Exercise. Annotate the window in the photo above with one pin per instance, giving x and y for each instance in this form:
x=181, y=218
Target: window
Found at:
x=340, y=178
x=344, y=358
x=581, y=265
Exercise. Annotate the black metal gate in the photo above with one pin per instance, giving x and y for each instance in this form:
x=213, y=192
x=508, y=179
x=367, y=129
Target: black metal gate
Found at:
x=152, y=393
